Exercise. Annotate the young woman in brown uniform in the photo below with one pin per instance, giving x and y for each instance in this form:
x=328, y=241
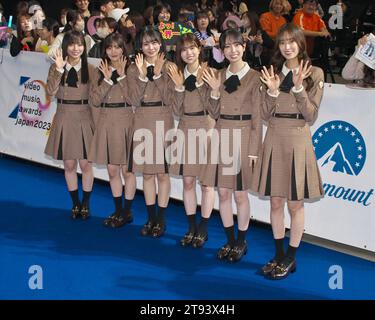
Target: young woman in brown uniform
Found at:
x=153, y=118
x=73, y=127
x=239, y=128
x=113, y=93
x=288, y=170
x=190, y=105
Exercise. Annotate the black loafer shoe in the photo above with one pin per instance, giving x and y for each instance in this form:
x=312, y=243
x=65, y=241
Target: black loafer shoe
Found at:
x=268, y=267
x=107, y=221
x=147, y=229
x=283, y=269
x=76, y=212
x=199, y=240
x=158, y=230
x=121, y=220
x=238, y=251
x=187, y=239
x=85, y=212
x=224, y=252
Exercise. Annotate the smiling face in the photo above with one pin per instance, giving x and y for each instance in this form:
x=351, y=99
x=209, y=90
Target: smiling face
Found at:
x=233, y=50
x=164, y=15
x=277, y=6
x=288, y=47
x=75, y=50
x=82, y=5
x=190, y=53
x=114, y=52
x=150, y=47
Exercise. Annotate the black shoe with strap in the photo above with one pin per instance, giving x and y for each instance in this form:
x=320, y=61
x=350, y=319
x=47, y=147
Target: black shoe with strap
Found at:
x=147, y=229
x=199, y=240
x=121, y=220
x=76, y=212
x=269, y=266
x=238, y=251
x=107, y=221
x=158, y=230
x=85, y=212
x=187, y=239
x=224, y=251
x=283, y=269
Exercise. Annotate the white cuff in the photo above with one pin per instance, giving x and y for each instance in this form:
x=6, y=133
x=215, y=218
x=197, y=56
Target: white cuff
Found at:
x=214, y=97
x=181, y=89
x=110, y=82
x=198, y=85
x=60, y=70
x=121, y=78
x=143, y=80
x=157, y=77
x=254, y=157
x=297, y=91
x=273, y=95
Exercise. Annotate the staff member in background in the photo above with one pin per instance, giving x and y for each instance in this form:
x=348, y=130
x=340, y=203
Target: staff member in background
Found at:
x=72, y=128
x=288, y=171
x=272, y=21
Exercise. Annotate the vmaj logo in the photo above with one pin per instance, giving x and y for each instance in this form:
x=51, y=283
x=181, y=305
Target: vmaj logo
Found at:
x=340, y=147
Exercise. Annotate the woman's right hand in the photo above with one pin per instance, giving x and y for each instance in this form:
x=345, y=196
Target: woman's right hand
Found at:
x=141, y=65
x=176, y=75
x=362, y=41
x=105, y=69
x=60, y=62
x=270, y=79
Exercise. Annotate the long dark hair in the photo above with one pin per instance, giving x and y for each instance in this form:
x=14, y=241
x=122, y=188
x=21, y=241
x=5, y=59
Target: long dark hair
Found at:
x=153, y=34
x=254, y=22
x=75, y=37
x=188, y=38
x=296, y=35
x=113, y=38
x=158, y=9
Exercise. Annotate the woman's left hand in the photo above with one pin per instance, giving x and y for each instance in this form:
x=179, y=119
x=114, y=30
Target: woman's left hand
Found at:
x=300, y=75
x=121, y=66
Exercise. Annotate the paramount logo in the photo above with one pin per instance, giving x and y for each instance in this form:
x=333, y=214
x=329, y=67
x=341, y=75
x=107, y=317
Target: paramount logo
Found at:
x=348, y=194
x=336, y=160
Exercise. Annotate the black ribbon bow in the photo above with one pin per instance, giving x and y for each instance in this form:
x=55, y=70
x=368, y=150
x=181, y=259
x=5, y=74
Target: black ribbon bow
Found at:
x=72, y=78
x=190, y=83
x=114, y=76
x=150, y=73
x=287, y=83
x=232, y=83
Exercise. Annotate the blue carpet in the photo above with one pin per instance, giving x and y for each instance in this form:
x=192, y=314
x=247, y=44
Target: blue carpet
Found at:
x=84, y=260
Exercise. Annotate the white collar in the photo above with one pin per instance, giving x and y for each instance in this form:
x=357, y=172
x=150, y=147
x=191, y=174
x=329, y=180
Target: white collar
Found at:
x=187, y=73
x=78, y=66
x=285, y=70
x=240, y=73
x=149, y=64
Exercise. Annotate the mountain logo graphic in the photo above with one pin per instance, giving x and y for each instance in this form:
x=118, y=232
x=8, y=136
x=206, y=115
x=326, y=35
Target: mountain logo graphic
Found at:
x=340, y=147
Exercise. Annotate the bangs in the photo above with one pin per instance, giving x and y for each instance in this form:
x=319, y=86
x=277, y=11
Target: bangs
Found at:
x=150, y=37
x=75, y=39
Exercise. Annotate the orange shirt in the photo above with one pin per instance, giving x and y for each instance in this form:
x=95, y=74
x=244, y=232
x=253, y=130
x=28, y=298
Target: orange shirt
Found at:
x=271, y=24
x=310, y=23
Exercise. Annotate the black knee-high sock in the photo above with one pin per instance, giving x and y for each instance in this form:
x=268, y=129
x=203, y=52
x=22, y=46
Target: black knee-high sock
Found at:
x=75, y=198
x=192, y=225
x=241, y=236
x=291, y=252
x=86, y=198
x=279, y=249
x=161, y=215
x=151, y=211
x=127, y=206
x=118, y=204
x=202, y=228
x=229, y=231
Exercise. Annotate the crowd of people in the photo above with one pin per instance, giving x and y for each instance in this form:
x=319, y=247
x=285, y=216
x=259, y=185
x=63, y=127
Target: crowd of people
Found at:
x=227, y=71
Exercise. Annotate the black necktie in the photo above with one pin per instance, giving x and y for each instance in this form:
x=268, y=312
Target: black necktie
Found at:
x=287, y=83
x=232, y=83
x=150, y=73
x=190, y=83
x=72, y=78
x=114, y=76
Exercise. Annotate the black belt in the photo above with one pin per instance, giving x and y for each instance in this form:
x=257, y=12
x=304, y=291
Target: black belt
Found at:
x=72, y=101
x=114, y=105
x=235, y=116
x=198, y=113
x=289, y=115
x=152, y=104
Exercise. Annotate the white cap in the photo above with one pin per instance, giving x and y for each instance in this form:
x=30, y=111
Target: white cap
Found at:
x=118, y=13
x=34, y=8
